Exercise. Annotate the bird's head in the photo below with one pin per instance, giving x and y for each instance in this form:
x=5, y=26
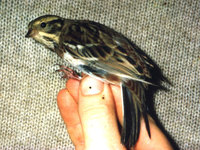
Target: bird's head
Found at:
x=46, y=30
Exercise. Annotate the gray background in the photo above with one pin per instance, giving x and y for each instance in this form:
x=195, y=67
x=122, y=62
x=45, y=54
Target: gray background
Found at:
x=168, y=31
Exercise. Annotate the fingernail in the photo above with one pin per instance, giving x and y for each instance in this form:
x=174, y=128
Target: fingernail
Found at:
x=91, y=86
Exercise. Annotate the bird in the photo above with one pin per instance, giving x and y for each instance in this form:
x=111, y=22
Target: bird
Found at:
x=105, y=54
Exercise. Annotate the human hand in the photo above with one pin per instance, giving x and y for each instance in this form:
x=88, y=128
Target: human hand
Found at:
x=90, y=110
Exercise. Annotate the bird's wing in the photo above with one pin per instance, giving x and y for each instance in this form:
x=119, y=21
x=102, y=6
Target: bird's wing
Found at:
x=107, y=49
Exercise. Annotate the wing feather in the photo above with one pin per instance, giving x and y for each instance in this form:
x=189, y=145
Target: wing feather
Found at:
x=109, y=50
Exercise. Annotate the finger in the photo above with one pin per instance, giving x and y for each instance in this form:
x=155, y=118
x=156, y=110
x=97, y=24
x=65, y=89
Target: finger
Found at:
x=97, y=113
x=69, y=112
x=157, y=141
x=116, y=90
x=72, y=86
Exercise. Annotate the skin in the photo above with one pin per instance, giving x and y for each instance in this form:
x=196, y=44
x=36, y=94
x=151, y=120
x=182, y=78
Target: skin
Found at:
x=90, y=110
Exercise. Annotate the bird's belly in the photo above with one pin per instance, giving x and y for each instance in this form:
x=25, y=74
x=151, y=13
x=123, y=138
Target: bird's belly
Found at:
x=100, y=74
x=73, y=61
x=92, y=71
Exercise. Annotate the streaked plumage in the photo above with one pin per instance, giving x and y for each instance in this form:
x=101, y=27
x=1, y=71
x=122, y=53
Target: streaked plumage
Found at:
x=100, y=52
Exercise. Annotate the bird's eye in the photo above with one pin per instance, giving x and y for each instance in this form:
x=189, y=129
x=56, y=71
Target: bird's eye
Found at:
x=43, y=24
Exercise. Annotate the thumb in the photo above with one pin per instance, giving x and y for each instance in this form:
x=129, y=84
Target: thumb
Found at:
x=97, y=113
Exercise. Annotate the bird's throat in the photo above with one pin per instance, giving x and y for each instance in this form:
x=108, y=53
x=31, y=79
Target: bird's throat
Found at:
x=47, y=39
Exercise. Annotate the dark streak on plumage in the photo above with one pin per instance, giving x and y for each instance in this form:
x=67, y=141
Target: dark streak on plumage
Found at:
x=55, y=26
x=75, y=27
x=121, y=49
x=130, y=60
x=70, y=51
x=80, y=52
x=53, y=30
x=107, y=49
x=71, y=42
x=72, y=37
x=90, y=29
x=87, y=53
x=47, y=38
x=119, y=60
x=139, y=69
x=102, y=54
x=58, y=21
x=92, y=52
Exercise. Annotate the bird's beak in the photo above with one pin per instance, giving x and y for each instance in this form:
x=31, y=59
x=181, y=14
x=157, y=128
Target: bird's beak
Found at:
x=30, y=33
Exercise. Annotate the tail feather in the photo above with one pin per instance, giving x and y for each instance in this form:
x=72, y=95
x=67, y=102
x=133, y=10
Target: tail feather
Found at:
x=127, y=117
x=146, y=120
x=133, y=107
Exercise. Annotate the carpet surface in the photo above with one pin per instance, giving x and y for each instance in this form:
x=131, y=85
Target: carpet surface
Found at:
x=168, y=31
